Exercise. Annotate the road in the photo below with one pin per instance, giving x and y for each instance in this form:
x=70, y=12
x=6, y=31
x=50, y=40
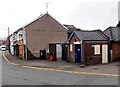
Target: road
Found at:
x=0, y=69
x=16, y=75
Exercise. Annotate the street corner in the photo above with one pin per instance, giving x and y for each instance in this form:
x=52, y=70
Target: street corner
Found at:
x=59, y=70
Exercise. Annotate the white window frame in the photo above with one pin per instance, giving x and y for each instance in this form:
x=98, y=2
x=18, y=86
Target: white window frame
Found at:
x=96, y=49
x=71, y=47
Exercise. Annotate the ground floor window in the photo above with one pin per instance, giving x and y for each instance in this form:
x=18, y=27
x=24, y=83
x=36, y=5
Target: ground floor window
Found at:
x=71, y=47
x=96, y=49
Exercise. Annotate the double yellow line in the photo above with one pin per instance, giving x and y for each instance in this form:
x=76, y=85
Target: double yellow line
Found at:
x=74, y=72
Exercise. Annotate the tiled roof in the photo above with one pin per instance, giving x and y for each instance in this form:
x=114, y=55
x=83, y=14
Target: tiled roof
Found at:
x=113, y=33
x=91, y=35
x=70, y=28
x=95, y=35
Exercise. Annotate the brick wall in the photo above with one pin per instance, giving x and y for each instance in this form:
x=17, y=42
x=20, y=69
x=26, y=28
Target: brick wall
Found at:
x=72, y=53
x=115, y=51
x=88, y=56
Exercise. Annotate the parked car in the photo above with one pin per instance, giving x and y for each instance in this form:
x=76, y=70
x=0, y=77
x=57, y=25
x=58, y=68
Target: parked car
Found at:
x=3, y=48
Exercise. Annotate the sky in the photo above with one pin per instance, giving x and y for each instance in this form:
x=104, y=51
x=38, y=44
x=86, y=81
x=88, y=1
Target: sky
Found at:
x=83, y=14
x=119, y=10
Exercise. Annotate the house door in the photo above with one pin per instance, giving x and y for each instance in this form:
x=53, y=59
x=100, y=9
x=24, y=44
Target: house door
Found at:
x=64, y=52
x=58, y=51
x=43, y=54
x=17, y=50
x=78, y=53
x=21, y=51
x=52, y=50
x=104, y=53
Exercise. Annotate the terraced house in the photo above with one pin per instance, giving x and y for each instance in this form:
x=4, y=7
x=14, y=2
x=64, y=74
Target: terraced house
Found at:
x=17, y=43
x=38, y=38
x=114, y=34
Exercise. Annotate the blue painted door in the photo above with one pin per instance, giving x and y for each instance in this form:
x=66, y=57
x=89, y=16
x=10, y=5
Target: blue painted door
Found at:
x=78, y=53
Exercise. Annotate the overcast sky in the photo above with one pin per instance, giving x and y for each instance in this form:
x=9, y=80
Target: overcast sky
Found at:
x=84, y=14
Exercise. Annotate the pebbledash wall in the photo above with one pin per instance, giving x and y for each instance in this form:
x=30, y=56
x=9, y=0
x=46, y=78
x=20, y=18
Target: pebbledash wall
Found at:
x=36, y=36
x=42, y=32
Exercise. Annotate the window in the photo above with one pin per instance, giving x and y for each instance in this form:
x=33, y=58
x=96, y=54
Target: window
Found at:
x=70, y=47
x=20, y=36
x=58, y=51
x=96, y=49
x=75, y=40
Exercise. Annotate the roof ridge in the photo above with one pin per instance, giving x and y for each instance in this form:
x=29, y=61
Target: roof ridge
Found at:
x=34, y=20
x=103, y=34
x=109, y=28
x=90, y=30
x=57, y=21
x=41, y=17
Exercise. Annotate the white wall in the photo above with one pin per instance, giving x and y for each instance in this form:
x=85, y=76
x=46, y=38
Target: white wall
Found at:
x=17, y=37
x=11, y=44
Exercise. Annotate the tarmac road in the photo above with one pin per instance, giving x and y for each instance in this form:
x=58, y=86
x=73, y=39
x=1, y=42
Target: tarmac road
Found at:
x=0, y=70
x=16, y=75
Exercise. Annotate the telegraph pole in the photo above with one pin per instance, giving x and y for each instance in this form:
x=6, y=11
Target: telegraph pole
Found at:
x=8, y=31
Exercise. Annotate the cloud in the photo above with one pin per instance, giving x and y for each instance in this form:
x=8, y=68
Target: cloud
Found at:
x=84, y=14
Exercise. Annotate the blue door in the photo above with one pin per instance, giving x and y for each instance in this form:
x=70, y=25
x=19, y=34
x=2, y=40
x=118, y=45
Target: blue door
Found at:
x=78, y=53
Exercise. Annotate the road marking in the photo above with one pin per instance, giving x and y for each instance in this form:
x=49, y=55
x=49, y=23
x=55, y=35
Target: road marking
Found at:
x=10, y=62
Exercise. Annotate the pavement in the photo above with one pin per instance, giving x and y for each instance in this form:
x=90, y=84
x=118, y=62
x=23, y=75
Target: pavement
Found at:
x=110, y=68
x=24, y=76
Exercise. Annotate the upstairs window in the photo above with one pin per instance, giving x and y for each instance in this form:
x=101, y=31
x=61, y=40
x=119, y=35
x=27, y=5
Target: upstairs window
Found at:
x=20, y=36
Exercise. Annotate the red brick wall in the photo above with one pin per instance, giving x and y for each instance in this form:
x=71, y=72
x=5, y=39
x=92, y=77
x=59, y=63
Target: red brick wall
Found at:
x=115, y=51
x=88, y=57
x=72, y=53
